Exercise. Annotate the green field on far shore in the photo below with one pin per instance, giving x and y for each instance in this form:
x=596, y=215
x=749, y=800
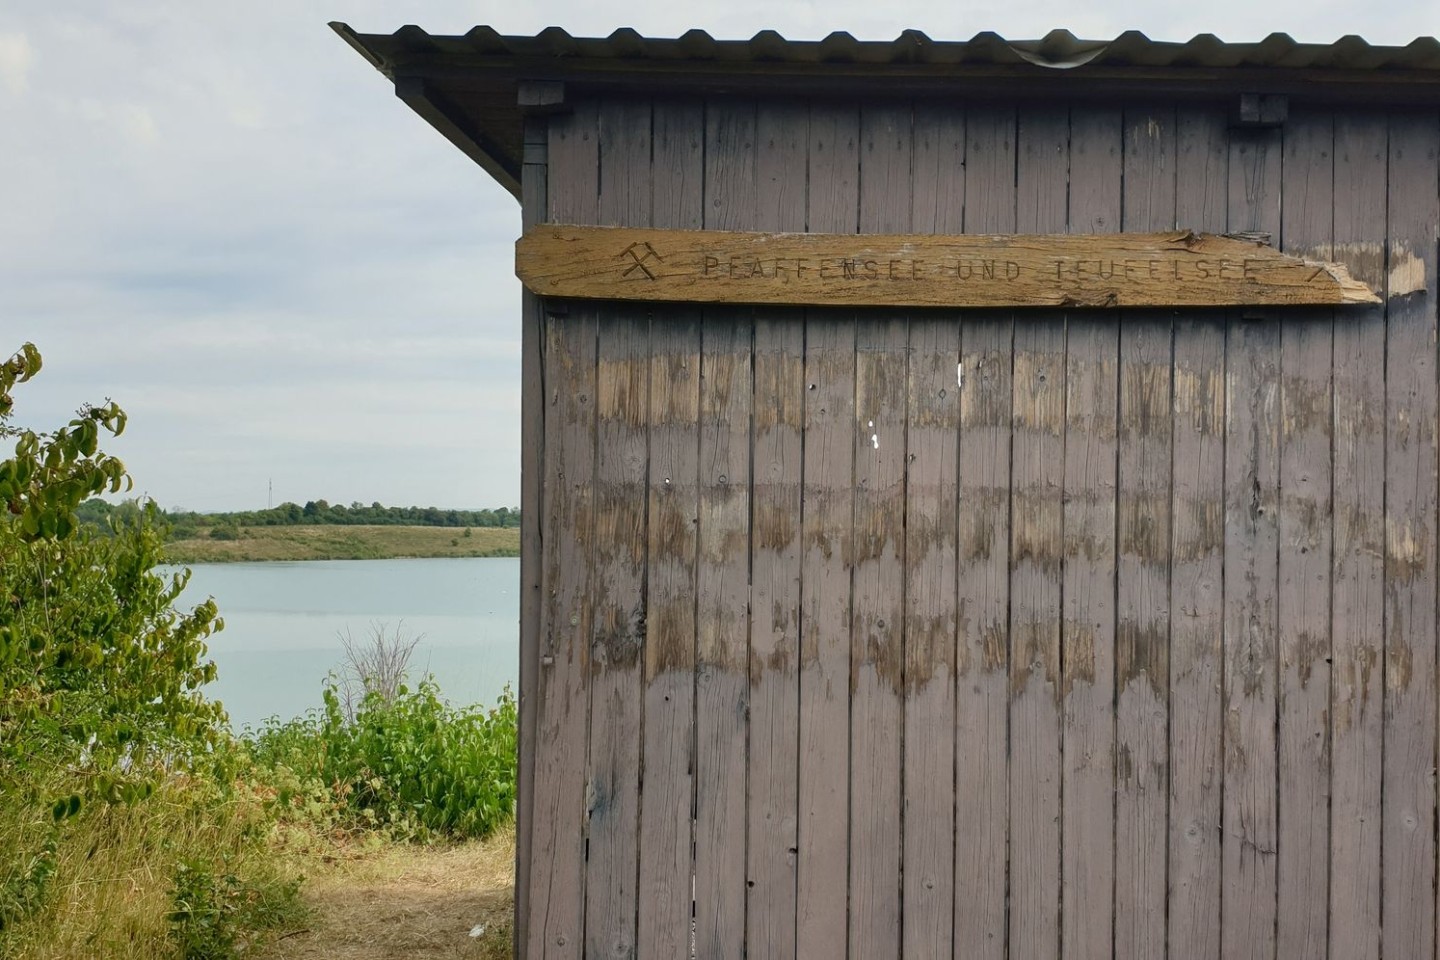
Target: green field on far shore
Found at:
x=357, y=542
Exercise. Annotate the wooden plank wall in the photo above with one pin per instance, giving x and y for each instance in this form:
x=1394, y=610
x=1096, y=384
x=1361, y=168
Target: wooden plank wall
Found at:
x=998, y=633
x=672, y=503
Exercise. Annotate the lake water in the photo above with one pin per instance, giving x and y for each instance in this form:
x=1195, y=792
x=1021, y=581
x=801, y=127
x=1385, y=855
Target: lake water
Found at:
x=283, y=623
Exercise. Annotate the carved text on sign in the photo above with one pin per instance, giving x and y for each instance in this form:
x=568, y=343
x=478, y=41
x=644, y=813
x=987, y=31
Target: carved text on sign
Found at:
x=1180, y=268
x=1005, y=271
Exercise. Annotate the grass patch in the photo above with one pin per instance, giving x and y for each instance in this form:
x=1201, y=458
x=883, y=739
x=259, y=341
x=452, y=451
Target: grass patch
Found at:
x=113, y=875
x=395, y=901
x=343, y=543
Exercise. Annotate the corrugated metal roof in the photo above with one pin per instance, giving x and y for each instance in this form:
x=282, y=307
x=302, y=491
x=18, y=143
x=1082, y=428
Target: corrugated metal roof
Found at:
x=466, y=86
x=1057, y=49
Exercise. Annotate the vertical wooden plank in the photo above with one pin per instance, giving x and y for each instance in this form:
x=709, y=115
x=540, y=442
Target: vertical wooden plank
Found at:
x=557, y=897
x=723, y=589
x=828, y=535
x=1036, y=550
x=782, y=141
x=1142, y=610
x=723, y=625
x=931, y=491
x=621, y=391
x=1087, y=622
x=1252, y=418
x=1408, y=854
x=1356, y=742
x=1197, y=502
x=983, y=564
x=533, y=209
x=666, y=802
x=613, y=791
x=930, y=532
x=1302, y=868
x=878, y=619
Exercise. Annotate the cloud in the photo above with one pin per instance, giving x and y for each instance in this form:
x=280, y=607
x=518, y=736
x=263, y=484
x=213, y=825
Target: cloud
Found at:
x=16, y=59
x=222, y=217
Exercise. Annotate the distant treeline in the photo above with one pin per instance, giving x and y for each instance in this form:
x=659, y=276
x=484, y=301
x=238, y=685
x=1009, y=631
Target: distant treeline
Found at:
x=184, y=523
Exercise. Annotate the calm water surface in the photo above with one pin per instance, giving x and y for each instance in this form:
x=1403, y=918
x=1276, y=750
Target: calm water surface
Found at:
x=283, y=623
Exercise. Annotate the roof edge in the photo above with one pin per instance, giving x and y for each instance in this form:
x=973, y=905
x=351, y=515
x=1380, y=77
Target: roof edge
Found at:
x=434, y=108
x=466, y=86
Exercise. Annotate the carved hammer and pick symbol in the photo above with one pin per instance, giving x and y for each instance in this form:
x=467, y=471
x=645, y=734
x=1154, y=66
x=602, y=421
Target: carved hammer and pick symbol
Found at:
x=640, y=251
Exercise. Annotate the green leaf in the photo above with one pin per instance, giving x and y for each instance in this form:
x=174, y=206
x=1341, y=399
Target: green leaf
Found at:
x=65, y=807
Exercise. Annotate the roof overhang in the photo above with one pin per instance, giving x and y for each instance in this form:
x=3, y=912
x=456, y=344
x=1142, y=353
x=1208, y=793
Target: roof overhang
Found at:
x=469, y=87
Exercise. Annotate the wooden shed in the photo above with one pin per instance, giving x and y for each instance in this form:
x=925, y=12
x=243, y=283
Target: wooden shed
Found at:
x=1034, y=624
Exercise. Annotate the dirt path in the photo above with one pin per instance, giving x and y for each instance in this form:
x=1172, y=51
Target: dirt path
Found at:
x=407, y=902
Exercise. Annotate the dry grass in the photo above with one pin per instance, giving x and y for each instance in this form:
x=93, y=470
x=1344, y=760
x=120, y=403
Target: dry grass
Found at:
x=402, y=901
x=362, y=900
x=115, y=871
x=361, y=542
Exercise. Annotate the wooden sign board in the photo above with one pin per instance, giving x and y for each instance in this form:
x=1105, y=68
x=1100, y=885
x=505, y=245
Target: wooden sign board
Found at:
x=1177, y=269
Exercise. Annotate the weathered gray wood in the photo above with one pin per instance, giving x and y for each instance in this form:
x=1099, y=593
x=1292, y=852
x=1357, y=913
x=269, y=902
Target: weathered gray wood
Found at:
x=1184, y=597
x=540, y=97
x=982, y=658
x=1198, y=505
x=723, y=589
x=1408, y=804
x=615, y=691
x=824, y=827
x=1036, y=552
x=557, y=870
x=668, y=792
x=1356, y=738
x=930, y=604
x=534, y=206
x=782, y=141
x=1142, y=612
x=618, y=556
x=878, y=608
x=1303, y=865
x=825, y=635
x=1252, y=369
x=1087, y=623
x=937, y=202
x=665, y=840
x=723, y=626
x=931, y=491
x=877, y=654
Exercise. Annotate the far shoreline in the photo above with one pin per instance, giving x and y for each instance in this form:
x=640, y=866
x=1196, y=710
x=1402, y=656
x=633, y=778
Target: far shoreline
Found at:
x=343, y=542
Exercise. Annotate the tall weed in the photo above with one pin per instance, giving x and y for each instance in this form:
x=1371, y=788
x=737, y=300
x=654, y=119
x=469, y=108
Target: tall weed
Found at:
x=376, y=664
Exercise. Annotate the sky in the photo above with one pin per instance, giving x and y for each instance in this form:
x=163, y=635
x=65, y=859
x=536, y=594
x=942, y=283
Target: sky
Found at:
x=219, y=215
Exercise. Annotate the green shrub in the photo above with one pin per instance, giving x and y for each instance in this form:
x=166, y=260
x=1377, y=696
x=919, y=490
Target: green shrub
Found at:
x=213, y=915
x=101, y=709
x=100, y=670
x=25, y=883
x=411, y=764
